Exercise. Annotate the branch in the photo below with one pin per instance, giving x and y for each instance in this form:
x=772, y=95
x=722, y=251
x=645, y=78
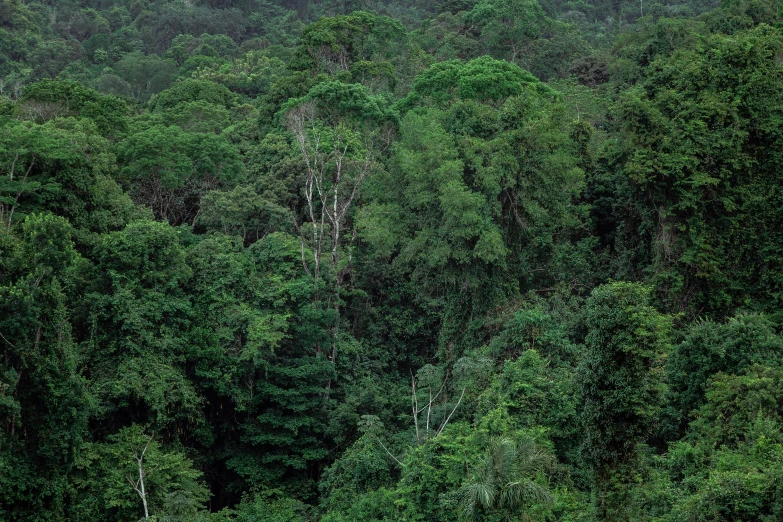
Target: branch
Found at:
x=389, y=452
x=6, y=340
x=415, y=404
x=452, y=413
x=436, y=395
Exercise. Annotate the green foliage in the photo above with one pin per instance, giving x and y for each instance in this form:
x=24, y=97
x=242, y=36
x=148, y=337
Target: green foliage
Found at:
x=50, y=99
x=274, y=510
x=138, y=319
x=44, y=403
x=350, y=261
x=699, y=176
x=731, y=455
x=521, y=32
x=192, y=91
x=446, y=37
x=620, y=384
x=61, y=166
x=285, y=343
x=104, y=472
x=483, y=79
x=708, y=349
x=333, y=44
x=145, y=75
x=364, y=467
x=251, y=74
x=534, y=394
x=170, y=169
x=336, y=101
x=481, y=215
x=242, y=211
x=504, y=481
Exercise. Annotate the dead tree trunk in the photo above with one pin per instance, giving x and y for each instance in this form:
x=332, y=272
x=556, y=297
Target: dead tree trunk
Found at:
x=138, y=484
x=337, y=161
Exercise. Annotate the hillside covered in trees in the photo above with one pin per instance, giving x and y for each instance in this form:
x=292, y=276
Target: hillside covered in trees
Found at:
x=389, y=260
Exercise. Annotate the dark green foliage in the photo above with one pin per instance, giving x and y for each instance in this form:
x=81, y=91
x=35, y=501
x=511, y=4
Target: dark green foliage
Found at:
x=620, y=384
x=138, y=316
x=730, y=456
x=482, y=215
x=699, y=141
x=286, y=341
x=44, y=402
x=145, y=75
x=535, y=394
x=351, y=261
x=710, y=348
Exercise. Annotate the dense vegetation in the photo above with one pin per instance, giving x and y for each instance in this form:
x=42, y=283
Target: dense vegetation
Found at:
x=416, y=260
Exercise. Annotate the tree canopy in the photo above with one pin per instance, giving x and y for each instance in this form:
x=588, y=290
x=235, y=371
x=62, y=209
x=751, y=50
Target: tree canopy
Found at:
x=351, y=261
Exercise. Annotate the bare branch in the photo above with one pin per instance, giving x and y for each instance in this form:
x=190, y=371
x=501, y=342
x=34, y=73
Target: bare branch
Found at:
x=389, y=452
x=415, y=404
x=138, y=485
x=452, y=412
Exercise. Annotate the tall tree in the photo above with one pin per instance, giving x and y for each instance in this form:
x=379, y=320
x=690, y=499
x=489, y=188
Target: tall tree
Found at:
x=620, y=382
x=695, y=176
x=481, y=180
x=340, y=129
x=170, y=169
x=44, y=405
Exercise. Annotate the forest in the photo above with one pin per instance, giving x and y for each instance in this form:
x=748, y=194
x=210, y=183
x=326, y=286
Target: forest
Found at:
x=391, y=260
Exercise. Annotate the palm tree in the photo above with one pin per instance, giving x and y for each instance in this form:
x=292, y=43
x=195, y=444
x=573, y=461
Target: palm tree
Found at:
x=503, y=482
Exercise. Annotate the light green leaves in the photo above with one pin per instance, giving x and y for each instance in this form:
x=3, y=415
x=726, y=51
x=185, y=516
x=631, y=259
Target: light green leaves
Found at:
x=483, y=79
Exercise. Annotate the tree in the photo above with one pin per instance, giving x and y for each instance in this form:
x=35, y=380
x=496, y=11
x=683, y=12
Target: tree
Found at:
x=447, y=37
x=483, y=79
x=730, y=457
x=333, y=44
x=193, y=90
x=695, y=172
x=481, y=182
x=48, y=99
x=252, y=74
x=434, y=381
x=620, y=383
x=138, y=484
x=244, y=212
x=255, y=349
x=44, y=401
x=709, y=348
x=137, y=315
x=521, y=32
x=284, y=369
x=131, y=473
x=170, y=169
x=61, y=166
x=536, y=392
x=146, y=74
x=365, y=466
x=340, y=130
x=50, y=57
x=504, y=479
x=82, y=24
